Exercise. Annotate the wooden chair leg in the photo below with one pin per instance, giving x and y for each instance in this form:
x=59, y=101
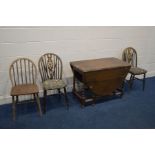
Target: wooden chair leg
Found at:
x=66, y=99
x=122, y=89
x=44, y=103
x=131, y=81
x=13, y=108
x=17, y=100
x=59, y=91
x=38, y=103
x=144, y=82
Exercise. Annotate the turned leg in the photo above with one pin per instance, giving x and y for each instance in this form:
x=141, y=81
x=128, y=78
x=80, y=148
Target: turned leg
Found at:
x=66, y=99
x=144, y=82
x=73, y=83
x=38, y=104
x=44, y=103
x=17, y=99
x=131, y=81
x=59, y=91
x=122, y=89
x=13, y=108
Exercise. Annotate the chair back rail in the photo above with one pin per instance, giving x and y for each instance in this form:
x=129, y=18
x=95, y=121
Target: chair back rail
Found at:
x=23, y=71
x=130, y=56
x=50, y=66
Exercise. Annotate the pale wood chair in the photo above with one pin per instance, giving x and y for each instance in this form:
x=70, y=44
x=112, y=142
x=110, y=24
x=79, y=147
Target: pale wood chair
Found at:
x=23, y=75
x=51, y=68
x=130, y=55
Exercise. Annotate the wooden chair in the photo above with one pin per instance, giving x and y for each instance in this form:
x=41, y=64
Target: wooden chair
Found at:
x=50, y=67
x=23, y=74
x=130, y=56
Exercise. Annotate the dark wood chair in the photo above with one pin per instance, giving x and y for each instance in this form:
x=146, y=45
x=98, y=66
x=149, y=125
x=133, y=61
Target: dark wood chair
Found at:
x=50, y=67
x=130, y=56
x=23, y=75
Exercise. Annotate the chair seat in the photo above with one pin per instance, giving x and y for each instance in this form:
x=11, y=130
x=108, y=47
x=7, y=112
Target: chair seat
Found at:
x=137, y=71
x=24, y=89
x=53, y=84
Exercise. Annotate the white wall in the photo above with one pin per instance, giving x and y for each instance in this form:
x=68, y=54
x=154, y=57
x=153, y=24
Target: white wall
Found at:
x=72, y=43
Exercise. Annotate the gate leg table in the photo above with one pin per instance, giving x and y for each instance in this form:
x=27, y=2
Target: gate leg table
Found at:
x=98, y=78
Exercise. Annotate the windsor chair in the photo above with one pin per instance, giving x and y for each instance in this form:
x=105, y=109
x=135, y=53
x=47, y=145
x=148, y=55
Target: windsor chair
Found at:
x=130, y=55
x=50, y=67
x=23, y=75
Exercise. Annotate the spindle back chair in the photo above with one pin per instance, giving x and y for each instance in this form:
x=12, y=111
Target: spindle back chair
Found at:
x=23, y=71
x=23, y=75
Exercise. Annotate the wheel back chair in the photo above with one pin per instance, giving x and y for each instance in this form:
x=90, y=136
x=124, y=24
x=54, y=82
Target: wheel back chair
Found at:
x=23, y=75
x=50, y=67
x=130, y=56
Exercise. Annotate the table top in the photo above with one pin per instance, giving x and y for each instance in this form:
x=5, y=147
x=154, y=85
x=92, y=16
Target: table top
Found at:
x=98, y=64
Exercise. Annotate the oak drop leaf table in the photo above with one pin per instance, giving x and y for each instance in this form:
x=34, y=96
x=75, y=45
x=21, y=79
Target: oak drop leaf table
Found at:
x=100, y=77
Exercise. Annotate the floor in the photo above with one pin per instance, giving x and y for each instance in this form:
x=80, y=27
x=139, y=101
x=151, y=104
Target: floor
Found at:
x=136, y=110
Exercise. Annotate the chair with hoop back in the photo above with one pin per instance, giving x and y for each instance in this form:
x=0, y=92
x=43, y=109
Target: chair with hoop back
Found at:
x=51, y=68
x=23, y=74
x=130, y=55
